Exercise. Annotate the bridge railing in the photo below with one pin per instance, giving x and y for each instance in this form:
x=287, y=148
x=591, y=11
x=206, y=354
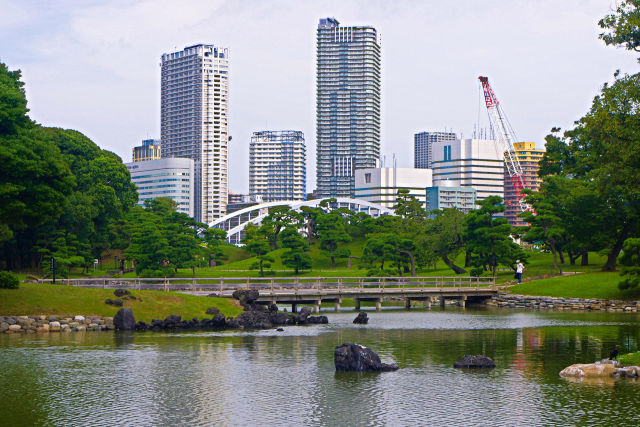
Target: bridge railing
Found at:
x=221, y=284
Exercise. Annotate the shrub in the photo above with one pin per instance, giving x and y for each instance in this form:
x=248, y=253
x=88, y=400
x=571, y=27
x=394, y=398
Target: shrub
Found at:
x=8, y=280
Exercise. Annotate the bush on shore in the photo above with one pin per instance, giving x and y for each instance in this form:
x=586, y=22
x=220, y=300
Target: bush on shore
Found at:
x=8, y=280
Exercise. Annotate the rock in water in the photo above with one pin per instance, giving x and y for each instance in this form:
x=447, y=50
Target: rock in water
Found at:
x=589, y=370
x=302, y=316
x=355, y=357
x=361, y=318
x=478, y=361
x=124, y=320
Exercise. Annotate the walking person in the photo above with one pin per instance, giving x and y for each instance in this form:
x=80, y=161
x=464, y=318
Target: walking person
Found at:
x=519, y=270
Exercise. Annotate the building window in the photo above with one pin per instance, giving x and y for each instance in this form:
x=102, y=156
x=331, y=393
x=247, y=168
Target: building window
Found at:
x=367, y=178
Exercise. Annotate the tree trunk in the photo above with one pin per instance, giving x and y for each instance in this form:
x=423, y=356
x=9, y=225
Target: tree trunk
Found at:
x=333, y=261
x=413, y=263
x=309, y=228
x=612, y=258
x=452, y=266
x=585, y=257
x=467, y=259
x=561, y=257
x=555, y=258
x=573, y=256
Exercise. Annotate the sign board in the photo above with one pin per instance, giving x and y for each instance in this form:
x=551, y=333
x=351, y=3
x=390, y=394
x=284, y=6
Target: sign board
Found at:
x=52, y=266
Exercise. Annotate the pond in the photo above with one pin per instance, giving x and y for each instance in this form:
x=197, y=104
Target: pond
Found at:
x=286, y=378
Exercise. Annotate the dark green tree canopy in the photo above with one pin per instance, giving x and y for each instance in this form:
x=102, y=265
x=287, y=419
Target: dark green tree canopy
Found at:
x=622, y=28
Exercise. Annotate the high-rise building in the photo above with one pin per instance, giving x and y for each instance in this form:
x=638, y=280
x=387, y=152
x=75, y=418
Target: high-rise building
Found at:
x=381, y=185
x=172, y=178
x=529, y=158
x=347, y=105
x=149, y=150
x=277, y=165
x=194, y=120
x=474, y=163
x=422, y=147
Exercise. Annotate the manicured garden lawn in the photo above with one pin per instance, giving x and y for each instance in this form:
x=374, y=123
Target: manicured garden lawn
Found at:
x=583, y=285
x=630, y=359
x=36, y=299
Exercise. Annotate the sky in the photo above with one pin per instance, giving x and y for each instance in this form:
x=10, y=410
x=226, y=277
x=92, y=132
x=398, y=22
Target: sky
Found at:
x=93, y=65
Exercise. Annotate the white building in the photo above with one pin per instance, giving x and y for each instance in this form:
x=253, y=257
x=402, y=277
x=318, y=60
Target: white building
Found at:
x=277, y=165
x=172, y=178
x=476, y=163
x=194, y=121
x=381, y=185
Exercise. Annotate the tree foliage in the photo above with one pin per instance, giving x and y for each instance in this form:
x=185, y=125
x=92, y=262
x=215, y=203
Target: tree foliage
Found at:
x=488, y=237
x=630, y=259
x=296, y=257
x=622, y=28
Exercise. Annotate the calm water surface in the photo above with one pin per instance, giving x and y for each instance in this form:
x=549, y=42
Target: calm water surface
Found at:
x=288, y=378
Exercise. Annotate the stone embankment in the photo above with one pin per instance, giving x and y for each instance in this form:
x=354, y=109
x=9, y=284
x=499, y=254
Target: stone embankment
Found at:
x=46, y=324
x=555, y=303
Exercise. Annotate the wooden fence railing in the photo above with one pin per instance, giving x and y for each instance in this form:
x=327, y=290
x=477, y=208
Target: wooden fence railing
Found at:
x=221, y=284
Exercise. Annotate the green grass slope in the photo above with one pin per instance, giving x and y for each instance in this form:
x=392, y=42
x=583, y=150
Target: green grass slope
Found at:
x=36, y=299
x=584, y=285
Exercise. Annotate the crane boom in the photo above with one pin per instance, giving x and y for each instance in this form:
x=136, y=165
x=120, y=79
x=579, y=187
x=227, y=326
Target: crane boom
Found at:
x=505, y=137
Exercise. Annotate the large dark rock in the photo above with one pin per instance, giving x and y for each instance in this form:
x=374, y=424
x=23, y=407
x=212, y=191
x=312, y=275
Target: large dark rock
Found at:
x=246, y=298
x=361, y=318
x=113, y=302
x=477, y=361
x=254, y=320
x=302, y=316
x=121, y=292
x=212, y=310
x=316, y=320
x=280, y=318
x=354, y=357
x=124, y=320
x=218, y=321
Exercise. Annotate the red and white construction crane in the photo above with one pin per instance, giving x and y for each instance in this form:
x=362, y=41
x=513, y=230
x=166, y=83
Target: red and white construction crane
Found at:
x=505, y=137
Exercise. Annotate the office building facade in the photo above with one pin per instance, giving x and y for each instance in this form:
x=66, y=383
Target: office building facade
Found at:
x=447, y=196
x=195, y=119
x=381, y=185
x=475, y=163
x=347, y=105
x=423, y=147
x=149, y=150
x=529, y=158
x=277, y=165
x=172, y=178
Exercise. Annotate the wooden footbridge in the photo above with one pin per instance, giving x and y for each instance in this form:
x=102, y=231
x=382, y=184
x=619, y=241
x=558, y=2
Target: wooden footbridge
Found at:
x=316, y=290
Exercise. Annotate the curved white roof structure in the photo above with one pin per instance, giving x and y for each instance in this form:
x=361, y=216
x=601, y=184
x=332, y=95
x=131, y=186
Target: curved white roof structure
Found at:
x=235, y=222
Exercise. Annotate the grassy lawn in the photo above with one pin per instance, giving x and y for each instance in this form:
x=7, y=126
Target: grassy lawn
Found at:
x=36, y=299
x=630, y=359
x=584, y=285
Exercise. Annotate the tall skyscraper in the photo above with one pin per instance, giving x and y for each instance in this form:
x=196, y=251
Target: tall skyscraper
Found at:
x=529, y=158
x=194, y=120
x=347, y=105
x=149, y=150
x=277, y=165
x=422, y=147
